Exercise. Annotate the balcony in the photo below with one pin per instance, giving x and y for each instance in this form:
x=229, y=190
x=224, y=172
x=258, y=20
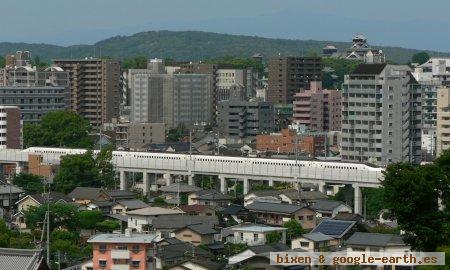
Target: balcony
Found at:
x=120, y=267
x=120, y=254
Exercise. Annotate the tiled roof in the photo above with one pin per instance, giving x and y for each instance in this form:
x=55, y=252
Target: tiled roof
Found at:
x=195, y=208
x=118, y=194
x=326, y=205
x=133, y=204
x=375, y=239
x=154, y=211
x=54, y=197
x=274, y=207
x=203, y=229
x=369, y=69
x=268, y=248
x=23, y=259
x=181, y=187
x=6, y=189
x=177, y=222
x=317, y=237
x=88, y=193
x=122, y=238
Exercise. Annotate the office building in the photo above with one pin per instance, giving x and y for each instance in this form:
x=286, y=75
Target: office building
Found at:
x=443, y=120
x=241, y=121
x=227, y=78
x=317, y=109
x=287, y=75
x=381, y=115
x=10, y=127
x=95, y=88
x=135, y=135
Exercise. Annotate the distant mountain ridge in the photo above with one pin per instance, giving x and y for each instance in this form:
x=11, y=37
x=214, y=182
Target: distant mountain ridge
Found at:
x=194, y=45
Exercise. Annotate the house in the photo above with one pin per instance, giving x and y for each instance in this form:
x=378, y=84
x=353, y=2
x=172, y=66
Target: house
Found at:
x=278, y=213
x=198, y=210
x=235, y=213
x=173, y=253
x=102, y=206
x=209, y=197
x=9, y=196
x=330, y=208
x=122, y=251
x=86, y=195
x=376, y=242
x=164, y=226
x=313, y=242
x=194, y=264
x=117, y=195
x=256, y=234
x=23, y=259
x=171, y=192
x=197, y=234
x=140, y=219
x=338, y=229
x=293, y=196
x=122, y=206
x=270, y=196
x=35, y=200
x=255, y=250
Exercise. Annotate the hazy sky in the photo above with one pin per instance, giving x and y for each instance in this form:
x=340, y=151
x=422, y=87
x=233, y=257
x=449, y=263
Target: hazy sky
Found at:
x=407, y=23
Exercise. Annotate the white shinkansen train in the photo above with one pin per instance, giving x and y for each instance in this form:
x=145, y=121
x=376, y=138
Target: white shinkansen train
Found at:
x=239, y=166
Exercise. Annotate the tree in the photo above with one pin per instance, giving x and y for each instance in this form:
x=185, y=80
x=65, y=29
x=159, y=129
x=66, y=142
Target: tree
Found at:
x=30, y=183
x=374, y=201
x=77, y=171
x=59, y=129
x=137, y=62
x=327, y=80
x=89, y=219
x=5, y=234
x=62, y=215
x=21, y=241
x=420, y=57
x=412, y=194
x=106, y=173
x=273, y=237
x=107, y=226
x=294, y=229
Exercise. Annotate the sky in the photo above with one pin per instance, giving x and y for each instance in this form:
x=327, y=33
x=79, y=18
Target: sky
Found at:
x=407, y=23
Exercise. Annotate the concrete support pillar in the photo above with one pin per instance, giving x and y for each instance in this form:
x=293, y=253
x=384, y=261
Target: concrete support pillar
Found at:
x=145, y=183
x=323, y=187
x=246, y=187
x=358, y=200
x=223, y=184
x=123, y=180
x=19, y=168
x=168, y=179
x=271, y=183
x=153, y=182
x=191, y=180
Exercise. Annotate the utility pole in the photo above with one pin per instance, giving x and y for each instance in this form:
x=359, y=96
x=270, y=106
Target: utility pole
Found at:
x=48, y=225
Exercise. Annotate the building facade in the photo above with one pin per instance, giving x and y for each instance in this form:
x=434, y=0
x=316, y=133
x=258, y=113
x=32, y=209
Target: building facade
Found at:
x=95, y=89
x=317, y=109
x=287, y=75
x=443, y=120
x=10, y=128
x=380, y=115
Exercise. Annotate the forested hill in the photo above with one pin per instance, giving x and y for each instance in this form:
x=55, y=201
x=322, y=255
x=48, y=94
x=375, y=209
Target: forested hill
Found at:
x=192, y=45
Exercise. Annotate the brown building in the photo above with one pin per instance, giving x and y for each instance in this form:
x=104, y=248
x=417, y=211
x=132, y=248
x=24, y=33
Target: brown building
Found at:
x=318, y=109
x=95, y=88
x=287, y=75
x=10, y=128
x=284, y=142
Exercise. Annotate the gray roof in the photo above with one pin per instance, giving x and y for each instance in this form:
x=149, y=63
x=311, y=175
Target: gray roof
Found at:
x=6, y=189
x=178, y=221
x=123, y=218
x=268, y=248
x=132, y=204
x=304, y=195
x=89, y=193
x=326, y=205
x=203, y=229
x=182, y=187
x=274, y=207
x=264, y=193
x=375, y=239
x=103, y=203
x=23, y=259
x=122, y=238
x=54, y=197
x=179, y=250
x=207, y=264
x=334, y=228
x=317, y=237
x=212, y=195
x=118, y=194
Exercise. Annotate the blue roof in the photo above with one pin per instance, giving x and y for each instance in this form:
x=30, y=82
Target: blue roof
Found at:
x=334, y=228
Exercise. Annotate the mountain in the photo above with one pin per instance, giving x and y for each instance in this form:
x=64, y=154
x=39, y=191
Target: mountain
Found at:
x=193, y=45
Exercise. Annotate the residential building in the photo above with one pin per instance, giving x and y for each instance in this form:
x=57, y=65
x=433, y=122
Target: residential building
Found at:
x=443, y=120
x=330, y=208
x=23, y=259
x=256, y=234
x=381, y=117
x=171, y=192
x=173, y=252
x=376, y=242
x=86, y=195
x=313, y=242
x=255, y=250
x=165, y=226
x=10, y=127
x=198, y=210
x=227, y=78
x=209, y=197
x=95, y=88
x=241, y=121
x=195, y=264
x=123, y=251
x=289, y=196
x=9, y=196
x=277, y=213
x=287, y=75
x=122, y=206
x=317, y=109
x=196, y=234
x=429, y=118
x=141, y=134
x=434, y=70
x=338, y=229
x=140, y=219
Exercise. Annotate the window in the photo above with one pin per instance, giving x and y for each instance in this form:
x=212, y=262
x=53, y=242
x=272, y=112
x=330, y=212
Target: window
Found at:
x=102, y=263
x=304, y=244
x=135, y=264
x=102, y=248
x=242, y=236
x=255, y=237
x=310, y=217
x=136, y=248
x=122, y=247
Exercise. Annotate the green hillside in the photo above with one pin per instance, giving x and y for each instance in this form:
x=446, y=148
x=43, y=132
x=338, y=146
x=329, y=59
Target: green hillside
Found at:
x=192, y=45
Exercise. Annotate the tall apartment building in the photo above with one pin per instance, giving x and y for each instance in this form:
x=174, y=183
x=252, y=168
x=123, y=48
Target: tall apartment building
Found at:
x=241, y=121
x=287, y=75
x=443, y=120
x=317, y=109
x=381, y=115
x=173, y=99
x=36, y=92
x=95, y=88
x=227, y=78
x=435, y=69
x=10, y=127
